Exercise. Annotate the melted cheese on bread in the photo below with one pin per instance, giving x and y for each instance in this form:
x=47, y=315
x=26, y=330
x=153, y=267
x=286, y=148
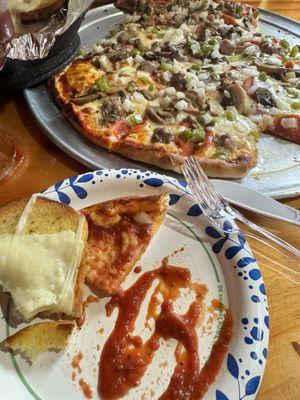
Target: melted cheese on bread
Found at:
x=38, y=270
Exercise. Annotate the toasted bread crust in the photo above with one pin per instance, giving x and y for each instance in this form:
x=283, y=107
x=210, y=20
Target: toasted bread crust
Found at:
x=41, y=11
x=40, y=337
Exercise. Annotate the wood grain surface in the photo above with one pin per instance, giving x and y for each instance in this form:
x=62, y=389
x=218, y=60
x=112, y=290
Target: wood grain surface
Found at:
x=45, y=164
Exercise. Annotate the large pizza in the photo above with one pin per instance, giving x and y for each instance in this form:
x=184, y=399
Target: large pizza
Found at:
x=183, y=78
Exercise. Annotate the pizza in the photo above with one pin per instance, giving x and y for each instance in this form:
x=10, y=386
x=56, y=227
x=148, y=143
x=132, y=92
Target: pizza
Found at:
x=183, y=78
x=119, y=232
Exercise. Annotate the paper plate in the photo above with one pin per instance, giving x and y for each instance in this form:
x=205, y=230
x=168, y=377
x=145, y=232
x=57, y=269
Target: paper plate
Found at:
x=225, y=264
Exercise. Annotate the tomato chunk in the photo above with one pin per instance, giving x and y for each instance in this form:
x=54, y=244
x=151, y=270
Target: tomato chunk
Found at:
x=229, y=19
x=290, y=64
x=119, y=128
x=292, y=134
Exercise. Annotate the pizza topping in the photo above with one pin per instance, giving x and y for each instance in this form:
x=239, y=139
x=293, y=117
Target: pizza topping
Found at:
x=294, y=52
x=118, y=55
x=195, y=136
x=178, y=81
x=205, y=120
x=239, y=97
x=265, y=97
x=148, y=66
x=293, y=92
x=101, y=83
x=131, y=87
x=165, y=102
x=158, y=115
x=224, y=141
x=288, y=129
x=289, y=123
x=268, y=46
x=296, y=106
x=284, y=43
x=162, y=135
x=142, y=218
x=230, y=115
x=263, y=76
x=181, y=105
x=128, y=105
x=134, y=119
x=186, y=134
x=251, y=50
x=105, y=219
x=126, y=35
x=112, y=108
x=271, y=69
x=85, y=99
x=227, y=47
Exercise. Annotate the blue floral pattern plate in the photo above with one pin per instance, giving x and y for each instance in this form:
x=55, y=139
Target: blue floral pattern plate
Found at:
x=224, y=263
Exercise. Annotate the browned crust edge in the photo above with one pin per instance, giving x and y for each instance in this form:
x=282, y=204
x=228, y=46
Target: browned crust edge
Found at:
x=80, y=276
x=43, y=11
x=67, y=326
x=213, y=168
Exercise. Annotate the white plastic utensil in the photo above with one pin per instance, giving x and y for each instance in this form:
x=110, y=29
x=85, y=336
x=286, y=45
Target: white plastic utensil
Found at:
x=250, y=199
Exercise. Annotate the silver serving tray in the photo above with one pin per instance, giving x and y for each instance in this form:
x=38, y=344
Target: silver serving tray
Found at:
x=278, y=171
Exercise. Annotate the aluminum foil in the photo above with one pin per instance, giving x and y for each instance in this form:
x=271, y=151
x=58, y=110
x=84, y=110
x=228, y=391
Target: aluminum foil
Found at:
x=39, y=37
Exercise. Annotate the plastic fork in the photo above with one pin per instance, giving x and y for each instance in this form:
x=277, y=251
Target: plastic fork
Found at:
x=216, y=209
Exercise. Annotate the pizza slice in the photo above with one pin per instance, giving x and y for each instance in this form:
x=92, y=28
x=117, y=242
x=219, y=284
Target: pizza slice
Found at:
x=119, y=232
x=268, y=94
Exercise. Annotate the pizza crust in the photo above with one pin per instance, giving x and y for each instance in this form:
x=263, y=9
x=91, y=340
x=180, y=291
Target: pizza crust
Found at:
x=76, y=118
x=214, y=168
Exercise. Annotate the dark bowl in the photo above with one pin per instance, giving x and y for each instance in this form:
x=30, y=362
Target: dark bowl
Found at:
x=19, y=74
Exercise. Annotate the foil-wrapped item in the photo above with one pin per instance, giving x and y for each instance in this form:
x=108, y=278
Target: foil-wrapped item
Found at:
x=34, y=41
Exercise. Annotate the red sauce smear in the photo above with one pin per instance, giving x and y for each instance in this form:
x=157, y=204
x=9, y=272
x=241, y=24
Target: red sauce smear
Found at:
x=125, y=357
x=90, y=299
x=76, y=361
x=87, y=391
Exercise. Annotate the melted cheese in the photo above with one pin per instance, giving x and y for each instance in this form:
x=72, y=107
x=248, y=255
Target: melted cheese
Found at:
x=38, y=270
x=82, y=75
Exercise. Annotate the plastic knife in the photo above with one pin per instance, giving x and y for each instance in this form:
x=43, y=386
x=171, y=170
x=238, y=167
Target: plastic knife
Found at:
x=252, y=200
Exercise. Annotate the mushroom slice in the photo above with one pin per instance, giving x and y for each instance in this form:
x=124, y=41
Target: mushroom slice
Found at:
x=85, y=99
x=227, y=47
x=193, y=111
x=265, y=97
x=162, y=135
x=275, y=70
x=239, y=97
x=158, y=115
x=112, y=108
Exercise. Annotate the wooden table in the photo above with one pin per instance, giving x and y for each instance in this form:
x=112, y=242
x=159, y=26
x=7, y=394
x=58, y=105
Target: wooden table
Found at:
x=45, y=164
